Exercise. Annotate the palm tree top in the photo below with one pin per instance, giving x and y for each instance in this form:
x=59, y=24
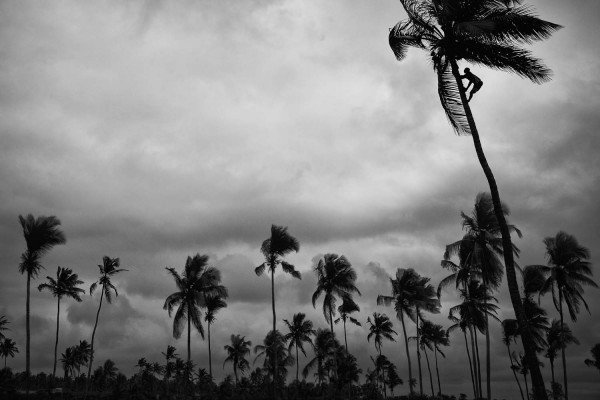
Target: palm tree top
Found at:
x=213, y=303
x=278, y=245
x=65, y=284
x=41, y=235
x=109, y=267
x=300, y=331
x=3, y=323
x=485, y=32
x=380, y=327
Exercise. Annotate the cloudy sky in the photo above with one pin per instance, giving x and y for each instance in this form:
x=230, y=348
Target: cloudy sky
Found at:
x=156, y=130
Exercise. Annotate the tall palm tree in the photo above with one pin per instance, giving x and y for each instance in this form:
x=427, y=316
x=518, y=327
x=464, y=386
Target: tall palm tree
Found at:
x=213, y=304
x=484, y=241
x=510, y=332
x=236, y=354
x=197, y=280
x=487, y=32
x=3, y=323
x=65, y=284
x=8, y=348
x=558, y=337
x=347, y=307
x=335, y=279
x=463, y=322
x=404, y=292
x=41, y=235
x=567, y=271
x=280, y=244
x=109, y=268
x=595, y=360
x=300, y=332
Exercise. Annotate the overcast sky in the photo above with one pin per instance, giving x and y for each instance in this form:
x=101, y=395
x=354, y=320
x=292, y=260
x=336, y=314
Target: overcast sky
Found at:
x=156, y=130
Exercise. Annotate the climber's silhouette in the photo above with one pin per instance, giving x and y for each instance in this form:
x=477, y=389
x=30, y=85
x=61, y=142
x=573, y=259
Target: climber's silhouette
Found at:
x=473, y=80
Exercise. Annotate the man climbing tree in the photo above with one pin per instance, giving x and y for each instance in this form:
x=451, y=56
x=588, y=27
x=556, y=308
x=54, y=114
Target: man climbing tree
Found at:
x=473, y=80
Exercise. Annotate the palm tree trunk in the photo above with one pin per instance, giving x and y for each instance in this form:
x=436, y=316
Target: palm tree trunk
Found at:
x=345, y=338
x=419, y=357
x=28, y=336
x=410, y=378
x=487, y=344
x=56, y=342
x=537, y=381
x=527, y=387
x=470, y=364
x=335, y=365
x=87, y=386
x=235, y=373
x=552, y=372
x=562, y=339
x=297, y=364
x=429, y=369
x=514, y=372
x=478, y=364
x=437, y=371
x=272, y=263
x=475, y=368
x=209, y=353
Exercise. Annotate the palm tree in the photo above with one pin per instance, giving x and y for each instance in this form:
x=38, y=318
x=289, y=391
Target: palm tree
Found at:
x=484, y=241
x=438, y=336
x=65, y=284
x=3, y=323
x=197, y=280
x=380, y=328
x=82, y=353
x=273, y=348
x=8, y=348
x=41, y=235
x=213, y=304
x=68, y=361
x=404, y=291
x=109, y=268
x=169, y=365
x=567, y=271
x=347, y=307
x=487, y=32
x=324, y=348
x=510, y=332
x=533, y=281
x=558, y=337
x=274, y=249
x=301, y=331
x=236, y=354
x=463, y=322
x=595, y=360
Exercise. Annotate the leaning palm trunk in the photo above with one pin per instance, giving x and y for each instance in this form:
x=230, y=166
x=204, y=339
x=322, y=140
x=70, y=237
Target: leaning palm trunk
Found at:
x=56, y=342
x=437, y=371
x=419, y=357
x=429, y=369
x=478, y=365
x=475, y=367
x=487, y=344
x=410, y=378
x=562, y=340
x=537, y=380
x=514, y=372
x=92, y=344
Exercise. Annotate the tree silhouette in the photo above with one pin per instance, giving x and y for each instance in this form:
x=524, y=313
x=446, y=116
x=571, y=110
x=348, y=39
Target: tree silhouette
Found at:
x=213, y=304
x=65, y=284
x=197, y=280
x=567, y=271
x=347, y=307
x=510, y=332
x=595, y=360
x=236, y=354
x=274, y=249
x=487, y=32
x=41, y=235
x=3, y=323
x=109, y=268
x=324, y=348
x=300, y=332
x=8, y=348
x=558, y=337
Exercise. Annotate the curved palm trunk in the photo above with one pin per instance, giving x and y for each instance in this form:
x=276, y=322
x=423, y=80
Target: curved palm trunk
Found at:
x=514, y=372
x=274, y=326
x=410, y=378
x=28, y=336
x=429, y=369
x=437, y=371
x=419, y=357
x=87, y=386
x=562, y=339
x=209, y=353
x=537, y=380
x=470, y=364
x=56, y=342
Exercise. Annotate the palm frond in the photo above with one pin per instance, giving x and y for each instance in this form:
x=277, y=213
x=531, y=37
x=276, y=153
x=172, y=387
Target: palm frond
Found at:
x=450, y=99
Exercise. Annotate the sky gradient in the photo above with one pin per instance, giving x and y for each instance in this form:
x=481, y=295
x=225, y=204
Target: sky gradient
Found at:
x=158, y=130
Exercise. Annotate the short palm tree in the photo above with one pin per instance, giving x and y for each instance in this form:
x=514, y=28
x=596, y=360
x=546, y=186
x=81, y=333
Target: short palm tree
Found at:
x=463, y=321
x=380, y=327
x=510, y=332
x=213, y=304
x=8, y=348
x=65, y=284
x=82, y=353
x=109, y=268
x=558, y=337
x=335, y=279
x=197, y=280
x=438, y=337
x=595, y=360
x=567, y=271
x=280, y=244
x=324, y=348
x=68, y=361
x=487, y=32
x=41, y=235
x=236, y=354
x=404, y=292
x=300, y=332
x=274, y=348
x=347, y=307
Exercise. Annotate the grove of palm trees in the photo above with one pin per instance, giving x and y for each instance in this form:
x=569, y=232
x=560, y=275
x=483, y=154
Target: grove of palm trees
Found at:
x=265, y=200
